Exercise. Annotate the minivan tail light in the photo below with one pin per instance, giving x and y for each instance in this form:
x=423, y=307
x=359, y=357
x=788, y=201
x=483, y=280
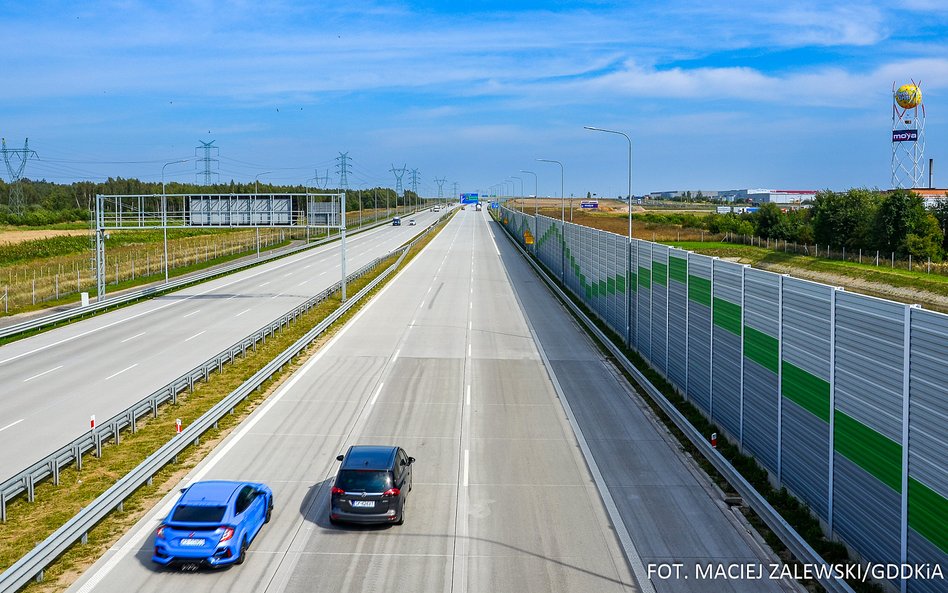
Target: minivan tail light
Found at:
x=392, y=492
x=338, y=490
x=228, y=533
x=160, y=531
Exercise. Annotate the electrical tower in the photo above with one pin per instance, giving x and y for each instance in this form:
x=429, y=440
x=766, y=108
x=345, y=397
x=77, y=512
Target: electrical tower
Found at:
x=455, y=184
x=16, y=189
x=206, y=160
x=399, y=173
x=322, y=182
x=414, y=181
x=343, y=167
x=440, y=183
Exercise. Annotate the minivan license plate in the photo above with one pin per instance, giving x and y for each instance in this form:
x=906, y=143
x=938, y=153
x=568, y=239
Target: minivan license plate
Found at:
x=192, y=542
x=363, y=503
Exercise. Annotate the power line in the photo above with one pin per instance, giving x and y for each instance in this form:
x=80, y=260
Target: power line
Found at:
x=16, y=189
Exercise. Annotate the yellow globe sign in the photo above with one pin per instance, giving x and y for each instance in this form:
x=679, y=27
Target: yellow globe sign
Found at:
x=908, y=96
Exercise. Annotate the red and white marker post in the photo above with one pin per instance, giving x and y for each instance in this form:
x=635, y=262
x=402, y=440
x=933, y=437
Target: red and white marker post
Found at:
x=177, y=426
x=714, y=440
x=92, y=422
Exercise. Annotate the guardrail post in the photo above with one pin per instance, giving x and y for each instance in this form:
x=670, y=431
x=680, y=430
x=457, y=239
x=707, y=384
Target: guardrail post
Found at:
x=39, y=577
x=3, y=507
x=85, y=537
x=132, y=423
x=116, y=432
x=30, y=488
x=97, y=439
x=55, y=468
x=77, y=453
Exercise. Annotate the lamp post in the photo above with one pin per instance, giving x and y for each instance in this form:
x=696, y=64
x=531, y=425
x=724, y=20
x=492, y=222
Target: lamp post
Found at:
x=630, y=168
x=521, y=190
x=256, y=227
x=164, y=212
x=628, y=327
x=562, y=199
x=562, y=217
x=536, y=206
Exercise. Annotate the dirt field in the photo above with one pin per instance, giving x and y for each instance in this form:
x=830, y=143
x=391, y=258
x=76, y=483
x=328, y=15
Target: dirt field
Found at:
x=16, y=236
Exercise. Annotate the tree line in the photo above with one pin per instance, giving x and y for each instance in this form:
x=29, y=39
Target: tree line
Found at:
x=46, y=202
x=890, y=222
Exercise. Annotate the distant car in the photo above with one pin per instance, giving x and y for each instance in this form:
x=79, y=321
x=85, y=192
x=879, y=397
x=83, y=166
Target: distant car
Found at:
x=212, y=524
x=411, y=222
x=372, y=485
x=396, y=221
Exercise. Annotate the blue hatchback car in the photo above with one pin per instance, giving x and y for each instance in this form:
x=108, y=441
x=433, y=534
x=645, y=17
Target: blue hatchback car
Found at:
x=212, y=524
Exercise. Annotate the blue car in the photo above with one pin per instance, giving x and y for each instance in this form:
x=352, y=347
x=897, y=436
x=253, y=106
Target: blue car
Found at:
x=212, y=524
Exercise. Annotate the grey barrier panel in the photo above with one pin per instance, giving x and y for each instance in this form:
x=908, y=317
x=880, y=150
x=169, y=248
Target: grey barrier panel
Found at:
x=928, y=443
x=805, y=390
x=607, y=246
x=727, y=334
x=659, y=308
x=797, y=545
x=761, y=364
x=699, y=330
x=868, y=384
x=622, y=286
x=678, y=318
x=921, y=551
x=643, y=299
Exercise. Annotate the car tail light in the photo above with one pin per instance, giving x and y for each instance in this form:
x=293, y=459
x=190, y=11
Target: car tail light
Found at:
x=338, y=490
x=160, y=532
x=228, y=533
x=392, y=492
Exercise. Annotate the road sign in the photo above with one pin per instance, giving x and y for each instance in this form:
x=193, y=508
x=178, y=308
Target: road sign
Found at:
x=528, y=237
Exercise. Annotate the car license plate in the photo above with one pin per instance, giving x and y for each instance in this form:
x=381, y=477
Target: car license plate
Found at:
x=363, y=503
x=191, y=541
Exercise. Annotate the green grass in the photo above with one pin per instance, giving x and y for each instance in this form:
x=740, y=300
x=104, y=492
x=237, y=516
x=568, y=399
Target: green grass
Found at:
x=29, y=523
x=761, y=257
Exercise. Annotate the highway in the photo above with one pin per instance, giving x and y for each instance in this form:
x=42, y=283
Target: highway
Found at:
x=536, y=471
x=56, y=380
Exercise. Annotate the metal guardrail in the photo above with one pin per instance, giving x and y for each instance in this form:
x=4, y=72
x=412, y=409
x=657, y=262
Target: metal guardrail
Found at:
x=32, y=565
x=109, y=302
x=800, y=549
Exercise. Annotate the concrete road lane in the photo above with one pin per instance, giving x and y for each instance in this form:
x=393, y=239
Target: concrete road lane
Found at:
x=502, y=498
x=57, y=380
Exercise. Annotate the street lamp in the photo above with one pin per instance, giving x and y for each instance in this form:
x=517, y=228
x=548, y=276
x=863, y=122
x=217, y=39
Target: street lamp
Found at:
x=521, y=190
x=562, y=199
x=256, y=177
x=536, y=203
x=164, y=211
x=630, y=168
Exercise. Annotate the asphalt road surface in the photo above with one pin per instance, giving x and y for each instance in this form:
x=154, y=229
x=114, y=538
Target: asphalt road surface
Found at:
x=469, y=372
x=54, y=381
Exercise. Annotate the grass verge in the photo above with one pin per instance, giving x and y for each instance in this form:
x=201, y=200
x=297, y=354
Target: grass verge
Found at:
x=29, y=523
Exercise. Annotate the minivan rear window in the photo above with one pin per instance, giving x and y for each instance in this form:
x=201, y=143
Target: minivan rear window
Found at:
x=357, y=480
x=198, y=514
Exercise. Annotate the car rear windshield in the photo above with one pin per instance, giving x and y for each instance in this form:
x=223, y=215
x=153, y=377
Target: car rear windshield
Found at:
x=198, y=514
x=353, y=480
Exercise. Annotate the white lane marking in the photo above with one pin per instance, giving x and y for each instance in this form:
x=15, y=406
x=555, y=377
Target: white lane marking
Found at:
x=196, y=335
x=192, y=313
x=307, y=266
x=134, y=542
x=321, y=273
x=287, y=274
x=303, y=282
x=494, y=241
x=467, y=400
x=43, y=373
x=395, y=356
x=122, y=371
x=264, y=284
x=469, y=350
x=467, y=467
x=12, y=424
x=471, y=306
x=470, y=325
x=376, y=396
x=279, y=294
x=412, y=324
x=422, y=304
x=133, y=337
x=230, y=298
x=237, y=315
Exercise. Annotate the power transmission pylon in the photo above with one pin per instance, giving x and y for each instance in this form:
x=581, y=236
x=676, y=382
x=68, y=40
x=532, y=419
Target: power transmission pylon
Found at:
x=399, y=173
x=16, y=189
x=414, y=181
x=440, y=183
x=322, y=182
x=206, y=160
x=343, y=168
x=455, y=184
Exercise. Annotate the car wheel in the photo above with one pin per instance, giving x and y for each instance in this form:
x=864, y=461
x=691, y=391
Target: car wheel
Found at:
x=401, y=516
x=269, y=512
x=243, y=553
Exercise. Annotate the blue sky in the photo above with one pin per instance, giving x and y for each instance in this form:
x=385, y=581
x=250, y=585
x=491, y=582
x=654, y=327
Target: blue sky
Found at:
x=786, y=95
